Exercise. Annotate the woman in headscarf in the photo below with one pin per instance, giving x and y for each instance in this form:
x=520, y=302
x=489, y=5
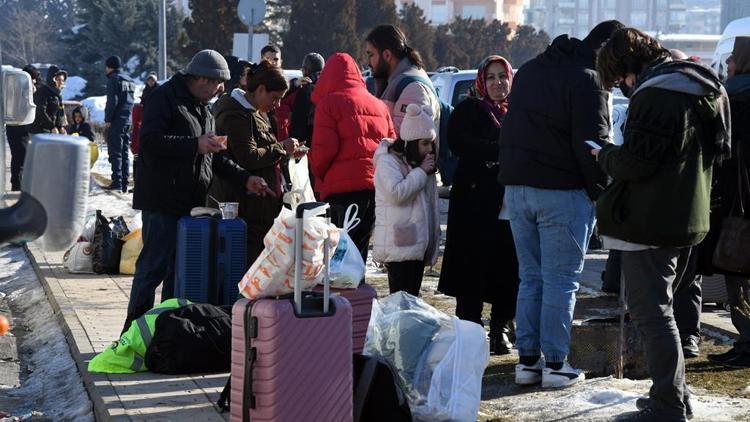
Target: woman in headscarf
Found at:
x=479, y=262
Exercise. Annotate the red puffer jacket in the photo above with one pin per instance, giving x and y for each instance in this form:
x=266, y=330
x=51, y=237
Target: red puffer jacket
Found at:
x=349, y=124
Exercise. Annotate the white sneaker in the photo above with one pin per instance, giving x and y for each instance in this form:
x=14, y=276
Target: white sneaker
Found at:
x=529, y=375
x=566, y=376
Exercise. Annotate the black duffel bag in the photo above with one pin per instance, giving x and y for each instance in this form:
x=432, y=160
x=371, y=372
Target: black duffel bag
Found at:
x=107, y=244
x=196, y=338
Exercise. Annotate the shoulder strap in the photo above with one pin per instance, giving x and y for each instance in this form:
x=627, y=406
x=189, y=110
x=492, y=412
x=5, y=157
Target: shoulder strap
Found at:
x=224, y=402
x=363, y=387
x=742, y=179
x=408, y=79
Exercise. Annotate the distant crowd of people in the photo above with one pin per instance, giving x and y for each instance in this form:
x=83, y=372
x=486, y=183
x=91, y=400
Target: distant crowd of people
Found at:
x=537, y=172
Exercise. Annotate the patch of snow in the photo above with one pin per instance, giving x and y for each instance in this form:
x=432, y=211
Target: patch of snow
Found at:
x=74, y=87
x=583, y=289
x=78, y=28
x=96, y=106
x=102, y=166
x=53, y=386
x=601, y=399
x=746, y=390
x=132, y=64
x=719, y=337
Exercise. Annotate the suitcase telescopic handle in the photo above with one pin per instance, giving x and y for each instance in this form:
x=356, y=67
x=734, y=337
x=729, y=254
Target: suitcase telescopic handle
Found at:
x=317, y=208
x=310, y=209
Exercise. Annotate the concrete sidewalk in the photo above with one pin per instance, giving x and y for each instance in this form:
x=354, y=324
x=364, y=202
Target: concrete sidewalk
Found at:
x=91, y=309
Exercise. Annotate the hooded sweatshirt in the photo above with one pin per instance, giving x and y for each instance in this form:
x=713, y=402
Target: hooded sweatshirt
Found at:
x=82, y=129
x=49, y=105
x=661, y=187
x=349, y=123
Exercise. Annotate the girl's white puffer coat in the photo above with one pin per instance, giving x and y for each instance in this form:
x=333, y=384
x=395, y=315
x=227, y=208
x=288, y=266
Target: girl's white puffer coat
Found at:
x=407, y=220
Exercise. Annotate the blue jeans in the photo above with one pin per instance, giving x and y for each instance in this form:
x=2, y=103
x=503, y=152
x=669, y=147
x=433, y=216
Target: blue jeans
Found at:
x=155, y=263
x=551, y=229
x=118, y=143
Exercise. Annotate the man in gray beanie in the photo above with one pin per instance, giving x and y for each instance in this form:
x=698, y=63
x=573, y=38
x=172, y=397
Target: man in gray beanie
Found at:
x=120, y=93
x=176, y=163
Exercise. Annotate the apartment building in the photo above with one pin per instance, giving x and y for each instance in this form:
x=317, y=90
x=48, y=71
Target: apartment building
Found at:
x=577, y=17
x=443, y=11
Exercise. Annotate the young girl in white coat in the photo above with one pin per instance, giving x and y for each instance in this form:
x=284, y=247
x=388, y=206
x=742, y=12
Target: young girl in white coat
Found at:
x=407, y=223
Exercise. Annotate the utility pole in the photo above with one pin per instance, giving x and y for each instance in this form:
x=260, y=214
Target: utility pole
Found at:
x=2, y=126
x=162, y=39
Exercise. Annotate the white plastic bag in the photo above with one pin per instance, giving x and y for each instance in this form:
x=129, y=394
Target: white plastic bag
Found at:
x=439, y=359
x=87, y=235
x=347, y=268
x=299, y=175
x=78, y=260
x=272, y=274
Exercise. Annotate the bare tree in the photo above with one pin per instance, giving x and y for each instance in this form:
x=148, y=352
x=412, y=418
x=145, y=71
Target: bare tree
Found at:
x=25, y=36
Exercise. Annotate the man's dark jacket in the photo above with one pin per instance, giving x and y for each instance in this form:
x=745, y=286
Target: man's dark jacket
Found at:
x=48, y=103
x=556, y=104
x=120, y=93
x=303, y=111
x=172, y=176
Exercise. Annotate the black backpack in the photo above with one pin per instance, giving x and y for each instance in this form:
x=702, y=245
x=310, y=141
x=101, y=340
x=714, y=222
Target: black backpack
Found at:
x=196, y=338
x=377, y=393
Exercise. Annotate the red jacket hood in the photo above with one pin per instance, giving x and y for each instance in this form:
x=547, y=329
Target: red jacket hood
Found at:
x=340, y=73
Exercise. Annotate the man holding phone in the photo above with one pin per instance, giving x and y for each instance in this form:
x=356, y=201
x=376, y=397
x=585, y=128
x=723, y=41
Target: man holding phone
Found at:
x=176, y=162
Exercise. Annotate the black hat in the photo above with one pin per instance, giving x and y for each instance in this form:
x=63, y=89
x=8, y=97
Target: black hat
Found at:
x=54, y=71
x=114, y=62
x=33, y=71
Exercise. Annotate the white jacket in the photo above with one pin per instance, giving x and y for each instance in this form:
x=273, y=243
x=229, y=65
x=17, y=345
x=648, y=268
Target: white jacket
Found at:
x=407, y=219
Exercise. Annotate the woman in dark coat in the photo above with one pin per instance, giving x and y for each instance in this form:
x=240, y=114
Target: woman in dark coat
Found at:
x=725, y=195
x=242, y=117
x=479, y=262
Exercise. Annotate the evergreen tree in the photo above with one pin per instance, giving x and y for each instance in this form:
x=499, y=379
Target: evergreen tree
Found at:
x=276, y=21
x=495, y=40
x=420, y=35
x=527, y=43
x=371, y=13
x=127, y=29
x=322, y=27
x=212, y=24
x=447, y=52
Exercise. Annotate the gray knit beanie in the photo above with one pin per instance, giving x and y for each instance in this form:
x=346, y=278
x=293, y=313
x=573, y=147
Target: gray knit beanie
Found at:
x=208, y=64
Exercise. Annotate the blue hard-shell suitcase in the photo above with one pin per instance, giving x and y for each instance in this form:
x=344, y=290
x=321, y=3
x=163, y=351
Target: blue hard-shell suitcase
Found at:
x=211, y=258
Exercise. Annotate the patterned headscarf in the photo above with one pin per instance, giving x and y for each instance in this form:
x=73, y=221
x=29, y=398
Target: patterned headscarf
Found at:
x=479, y=90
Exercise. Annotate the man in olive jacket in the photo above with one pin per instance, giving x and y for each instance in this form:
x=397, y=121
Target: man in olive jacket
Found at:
x=175, y=167
x=658, y=202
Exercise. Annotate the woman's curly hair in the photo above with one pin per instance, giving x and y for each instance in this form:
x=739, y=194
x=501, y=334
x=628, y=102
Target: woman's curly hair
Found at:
x=627, y=51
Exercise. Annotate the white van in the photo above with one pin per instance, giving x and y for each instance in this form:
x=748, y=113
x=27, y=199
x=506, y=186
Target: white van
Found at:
x=453, y=86
x=736, y=28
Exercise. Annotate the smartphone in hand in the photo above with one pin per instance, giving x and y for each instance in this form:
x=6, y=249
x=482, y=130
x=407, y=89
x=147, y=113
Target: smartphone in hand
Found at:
x=593, y=145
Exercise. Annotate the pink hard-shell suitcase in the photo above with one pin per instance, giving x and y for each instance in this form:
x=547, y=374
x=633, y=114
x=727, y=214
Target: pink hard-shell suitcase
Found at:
x=292, y=357
x=361, y=300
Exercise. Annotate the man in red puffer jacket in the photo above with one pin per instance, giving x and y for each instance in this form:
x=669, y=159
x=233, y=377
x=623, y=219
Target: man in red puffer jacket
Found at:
x=348, y=126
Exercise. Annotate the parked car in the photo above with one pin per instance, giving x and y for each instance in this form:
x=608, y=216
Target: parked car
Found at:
x=452, y=86
x=736, y=28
